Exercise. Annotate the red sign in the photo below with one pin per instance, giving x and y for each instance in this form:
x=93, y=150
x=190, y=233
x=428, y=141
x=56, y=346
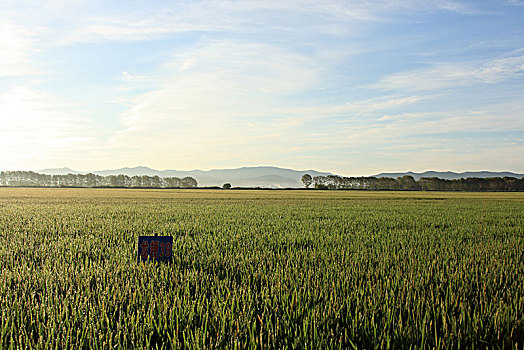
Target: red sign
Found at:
x=155, y=248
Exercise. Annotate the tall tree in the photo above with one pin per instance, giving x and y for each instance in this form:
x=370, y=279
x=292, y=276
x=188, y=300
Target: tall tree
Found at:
x=307, y=180
x=188, y=181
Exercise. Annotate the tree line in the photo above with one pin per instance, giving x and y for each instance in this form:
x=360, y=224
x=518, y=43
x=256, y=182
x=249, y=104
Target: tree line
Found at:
x=30, y=178
x=408, y=182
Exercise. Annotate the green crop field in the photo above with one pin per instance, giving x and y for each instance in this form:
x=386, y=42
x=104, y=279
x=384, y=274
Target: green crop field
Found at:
x=268, y=269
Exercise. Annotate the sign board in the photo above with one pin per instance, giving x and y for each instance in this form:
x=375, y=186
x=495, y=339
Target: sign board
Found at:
x=155, y=248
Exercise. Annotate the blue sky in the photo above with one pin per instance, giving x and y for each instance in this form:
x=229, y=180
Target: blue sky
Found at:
x=350, y=87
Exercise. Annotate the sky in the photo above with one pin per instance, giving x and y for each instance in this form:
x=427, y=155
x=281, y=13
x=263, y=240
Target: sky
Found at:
x=349, y=87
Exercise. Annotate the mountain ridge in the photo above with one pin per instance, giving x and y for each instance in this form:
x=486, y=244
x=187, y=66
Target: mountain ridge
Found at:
x=264, y=176
x=256, y=176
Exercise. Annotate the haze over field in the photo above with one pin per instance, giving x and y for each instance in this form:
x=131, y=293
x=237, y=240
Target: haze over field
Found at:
x=241, y=177
x=346, y=87
x=262, y=176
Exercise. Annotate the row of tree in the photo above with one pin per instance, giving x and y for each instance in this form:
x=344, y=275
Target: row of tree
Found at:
x=409, y=183
x=30, y=178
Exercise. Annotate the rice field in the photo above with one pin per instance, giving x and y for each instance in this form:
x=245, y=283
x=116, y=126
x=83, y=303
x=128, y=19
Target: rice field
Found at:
x=261, y=269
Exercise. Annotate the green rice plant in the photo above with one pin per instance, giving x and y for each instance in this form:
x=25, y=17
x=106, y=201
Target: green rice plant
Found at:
x=271, y=269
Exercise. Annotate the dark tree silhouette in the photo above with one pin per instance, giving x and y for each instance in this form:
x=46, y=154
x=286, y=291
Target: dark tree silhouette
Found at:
x=307, y=180
x=29, y=178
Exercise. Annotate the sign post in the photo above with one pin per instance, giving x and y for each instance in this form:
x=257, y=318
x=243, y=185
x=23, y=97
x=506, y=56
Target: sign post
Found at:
x=155, y=248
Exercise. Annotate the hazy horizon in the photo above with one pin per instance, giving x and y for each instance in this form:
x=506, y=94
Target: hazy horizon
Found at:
x=86, y=171
x=352, y=88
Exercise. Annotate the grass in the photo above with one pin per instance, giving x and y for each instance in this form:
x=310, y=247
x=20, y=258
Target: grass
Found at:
x=296, y=269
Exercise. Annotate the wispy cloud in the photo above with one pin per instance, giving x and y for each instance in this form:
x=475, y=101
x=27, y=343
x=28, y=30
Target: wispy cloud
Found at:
x=17, y=44
x=444, y=75
x=208, y=99
x=516, y=2
x=143, y=21
x=382, y=103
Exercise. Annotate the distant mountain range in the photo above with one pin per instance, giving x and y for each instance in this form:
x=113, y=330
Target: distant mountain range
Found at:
x=449, y=175
x=262, y=176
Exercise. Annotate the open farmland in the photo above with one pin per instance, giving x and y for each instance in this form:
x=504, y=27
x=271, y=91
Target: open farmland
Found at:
x=303, y=269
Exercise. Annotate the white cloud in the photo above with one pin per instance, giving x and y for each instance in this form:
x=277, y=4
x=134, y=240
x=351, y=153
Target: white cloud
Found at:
x=209, y=100
x=226, y=104
x=516, y=2
x=228, y=101
x=382, y=103
x=36, y=128
x=419, y=140
x=142, y=21
x=445, y=75
x=129, y=29
x=16, y=48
